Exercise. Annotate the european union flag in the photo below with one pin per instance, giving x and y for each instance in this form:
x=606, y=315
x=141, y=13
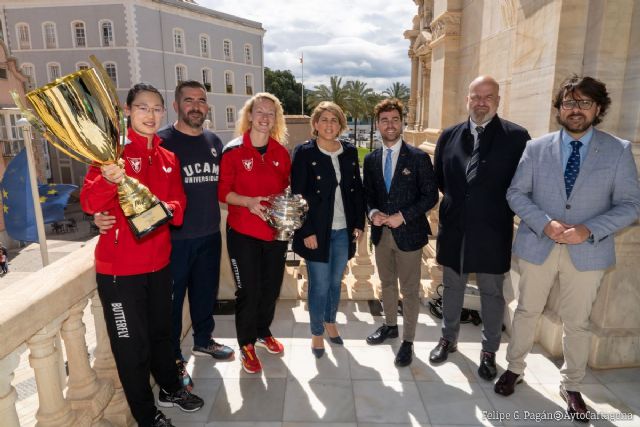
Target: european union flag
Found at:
x=19, y=216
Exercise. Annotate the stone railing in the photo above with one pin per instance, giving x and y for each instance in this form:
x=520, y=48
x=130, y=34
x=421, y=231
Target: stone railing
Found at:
x=36, y=312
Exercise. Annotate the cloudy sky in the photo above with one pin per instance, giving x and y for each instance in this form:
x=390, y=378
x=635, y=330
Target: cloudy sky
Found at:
x=355, y=39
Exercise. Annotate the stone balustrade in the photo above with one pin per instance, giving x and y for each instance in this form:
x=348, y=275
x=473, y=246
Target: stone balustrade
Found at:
x=36, y=312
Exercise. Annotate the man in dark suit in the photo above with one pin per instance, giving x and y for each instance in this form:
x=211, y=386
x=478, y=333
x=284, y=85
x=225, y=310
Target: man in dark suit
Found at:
x=474, y=163
x=400, y=188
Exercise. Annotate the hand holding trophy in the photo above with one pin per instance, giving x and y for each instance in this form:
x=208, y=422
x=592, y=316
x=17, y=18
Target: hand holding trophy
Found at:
x=81, y=116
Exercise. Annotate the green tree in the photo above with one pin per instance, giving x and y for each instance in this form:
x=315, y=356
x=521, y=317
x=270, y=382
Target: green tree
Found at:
x=398, y=90
x=371, y=101
x=356, y=101
x=335, y=92
x=283, y=84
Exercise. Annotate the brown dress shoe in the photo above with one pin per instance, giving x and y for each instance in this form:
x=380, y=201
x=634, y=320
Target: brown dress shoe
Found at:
x=506, y=384
x=576, y=408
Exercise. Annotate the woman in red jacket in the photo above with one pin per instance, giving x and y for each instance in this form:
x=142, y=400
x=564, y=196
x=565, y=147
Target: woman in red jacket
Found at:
x=133, y=277
x=255, y=165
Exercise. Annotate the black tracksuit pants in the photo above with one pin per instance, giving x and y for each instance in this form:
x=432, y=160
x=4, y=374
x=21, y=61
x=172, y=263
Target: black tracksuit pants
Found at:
x=258, y=268
x=137, y=311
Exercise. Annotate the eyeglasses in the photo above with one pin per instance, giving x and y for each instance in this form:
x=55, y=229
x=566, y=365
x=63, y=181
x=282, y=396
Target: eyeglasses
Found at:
x=570, y=104
x=146, y=109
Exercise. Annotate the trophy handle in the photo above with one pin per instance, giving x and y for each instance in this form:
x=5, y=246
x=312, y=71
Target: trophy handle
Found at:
x=111, y=89
x=37, y=125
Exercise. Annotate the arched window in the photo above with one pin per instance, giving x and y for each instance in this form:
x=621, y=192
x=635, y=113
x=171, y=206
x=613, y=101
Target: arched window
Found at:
x=204, y=46
x=228, y=81
x=206, y=79
x=248, y=54
x=248, y=84
x=178, y=40
x=50, y=35
x=211, y=117
x=231, y=117
x=106, y=33
x=79, y=34
x=181, y=74
x=226, y=49
x=24, y=35
x=29, y=71
x=112, y=72
x=53, y=71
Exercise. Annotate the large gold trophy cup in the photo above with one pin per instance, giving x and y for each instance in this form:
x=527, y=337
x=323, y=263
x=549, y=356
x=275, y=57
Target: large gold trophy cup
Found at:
x=81, y=116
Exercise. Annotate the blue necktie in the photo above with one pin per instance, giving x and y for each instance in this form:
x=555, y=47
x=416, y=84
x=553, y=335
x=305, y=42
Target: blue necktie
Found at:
x=388, y=171
x=573, y=167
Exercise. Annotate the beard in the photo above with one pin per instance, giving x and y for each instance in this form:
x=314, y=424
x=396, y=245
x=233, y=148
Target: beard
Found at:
x=194, y=120
x=574, y=128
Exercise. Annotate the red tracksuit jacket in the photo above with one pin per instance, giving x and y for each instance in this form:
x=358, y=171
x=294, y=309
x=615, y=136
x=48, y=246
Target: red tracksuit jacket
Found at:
x=246, y=172
x=118, y=251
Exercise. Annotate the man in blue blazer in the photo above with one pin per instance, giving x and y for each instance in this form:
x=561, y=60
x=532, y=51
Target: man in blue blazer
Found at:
x=573, y=190
x=474, y=163
x=400, y=188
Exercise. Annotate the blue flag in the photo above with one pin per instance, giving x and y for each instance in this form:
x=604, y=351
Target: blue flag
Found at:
x=17, y=203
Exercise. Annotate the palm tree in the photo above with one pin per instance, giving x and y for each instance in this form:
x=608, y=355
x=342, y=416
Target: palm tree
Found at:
x=357, y=92
x=371, y=101
x=335, y=92
x=398, y=90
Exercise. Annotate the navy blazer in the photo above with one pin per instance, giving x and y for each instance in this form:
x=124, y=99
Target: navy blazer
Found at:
x=413, y=192
x=313, y=176
x=477, y=213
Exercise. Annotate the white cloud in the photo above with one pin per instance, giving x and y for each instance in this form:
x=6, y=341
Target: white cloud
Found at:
x=357, y=39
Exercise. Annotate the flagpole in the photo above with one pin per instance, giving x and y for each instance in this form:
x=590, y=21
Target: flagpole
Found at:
x=302, y=94
x=33, y=180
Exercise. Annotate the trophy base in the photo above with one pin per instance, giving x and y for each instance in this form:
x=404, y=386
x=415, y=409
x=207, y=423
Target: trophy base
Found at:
x=144, y=223
x=284, y=235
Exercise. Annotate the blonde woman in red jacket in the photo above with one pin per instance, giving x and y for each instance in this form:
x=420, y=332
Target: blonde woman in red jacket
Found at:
x=255, y=165
x=133, y=277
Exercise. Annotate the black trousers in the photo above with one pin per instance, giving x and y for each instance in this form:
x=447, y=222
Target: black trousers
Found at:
x=258, y=269
x=137, y=311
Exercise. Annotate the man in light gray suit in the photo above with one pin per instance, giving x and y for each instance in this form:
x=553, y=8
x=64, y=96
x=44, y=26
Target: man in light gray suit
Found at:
x=573, y=190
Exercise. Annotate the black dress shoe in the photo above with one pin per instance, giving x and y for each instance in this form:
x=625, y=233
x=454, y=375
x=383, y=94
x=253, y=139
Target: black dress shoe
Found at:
x=405, y=354
x=442, y=350
x=487, y=369
x=317, y=352
x=506, y=384
x=382, y=333
x=576, y=408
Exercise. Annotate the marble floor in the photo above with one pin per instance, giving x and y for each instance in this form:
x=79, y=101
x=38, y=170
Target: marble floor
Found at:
x=358, y=385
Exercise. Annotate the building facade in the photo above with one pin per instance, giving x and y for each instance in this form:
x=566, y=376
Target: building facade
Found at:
x=530, y=47
x=160, y=42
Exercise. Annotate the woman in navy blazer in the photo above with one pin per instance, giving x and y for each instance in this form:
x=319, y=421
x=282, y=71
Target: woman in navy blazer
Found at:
x=326, y=172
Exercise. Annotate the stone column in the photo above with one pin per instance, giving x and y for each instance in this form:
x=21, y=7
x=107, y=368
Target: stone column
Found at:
x=425, y=65
x=412, y=115
x=362, y=269
x=88, y=396
x=8, y=395
x=105, y=367
x=53, y=411
x=443, y=96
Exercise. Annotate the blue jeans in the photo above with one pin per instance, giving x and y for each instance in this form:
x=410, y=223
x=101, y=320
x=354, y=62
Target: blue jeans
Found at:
x=324, y=282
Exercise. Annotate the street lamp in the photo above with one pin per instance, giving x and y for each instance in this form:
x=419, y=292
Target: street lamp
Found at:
x=33, y=180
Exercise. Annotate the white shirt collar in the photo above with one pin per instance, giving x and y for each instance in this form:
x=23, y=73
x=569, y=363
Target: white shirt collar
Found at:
x=395, y=147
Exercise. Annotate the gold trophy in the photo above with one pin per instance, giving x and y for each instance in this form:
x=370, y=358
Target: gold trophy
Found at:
x=81, y=116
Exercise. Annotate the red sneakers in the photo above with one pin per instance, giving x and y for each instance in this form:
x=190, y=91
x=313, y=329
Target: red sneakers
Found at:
x=272, y=345
x=250, y=362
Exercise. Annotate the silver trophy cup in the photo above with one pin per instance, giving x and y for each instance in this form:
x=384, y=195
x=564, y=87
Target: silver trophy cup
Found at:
x=286, y=213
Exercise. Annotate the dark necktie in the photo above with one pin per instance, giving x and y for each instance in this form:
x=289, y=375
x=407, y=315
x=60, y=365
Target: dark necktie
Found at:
x=573, y=167
x=472, y=166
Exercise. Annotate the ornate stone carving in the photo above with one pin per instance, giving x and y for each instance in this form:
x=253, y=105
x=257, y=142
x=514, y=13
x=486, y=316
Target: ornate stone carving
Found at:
x=447, y=24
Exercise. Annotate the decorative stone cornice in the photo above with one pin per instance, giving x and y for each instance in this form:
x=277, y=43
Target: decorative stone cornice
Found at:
x=444, y=25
